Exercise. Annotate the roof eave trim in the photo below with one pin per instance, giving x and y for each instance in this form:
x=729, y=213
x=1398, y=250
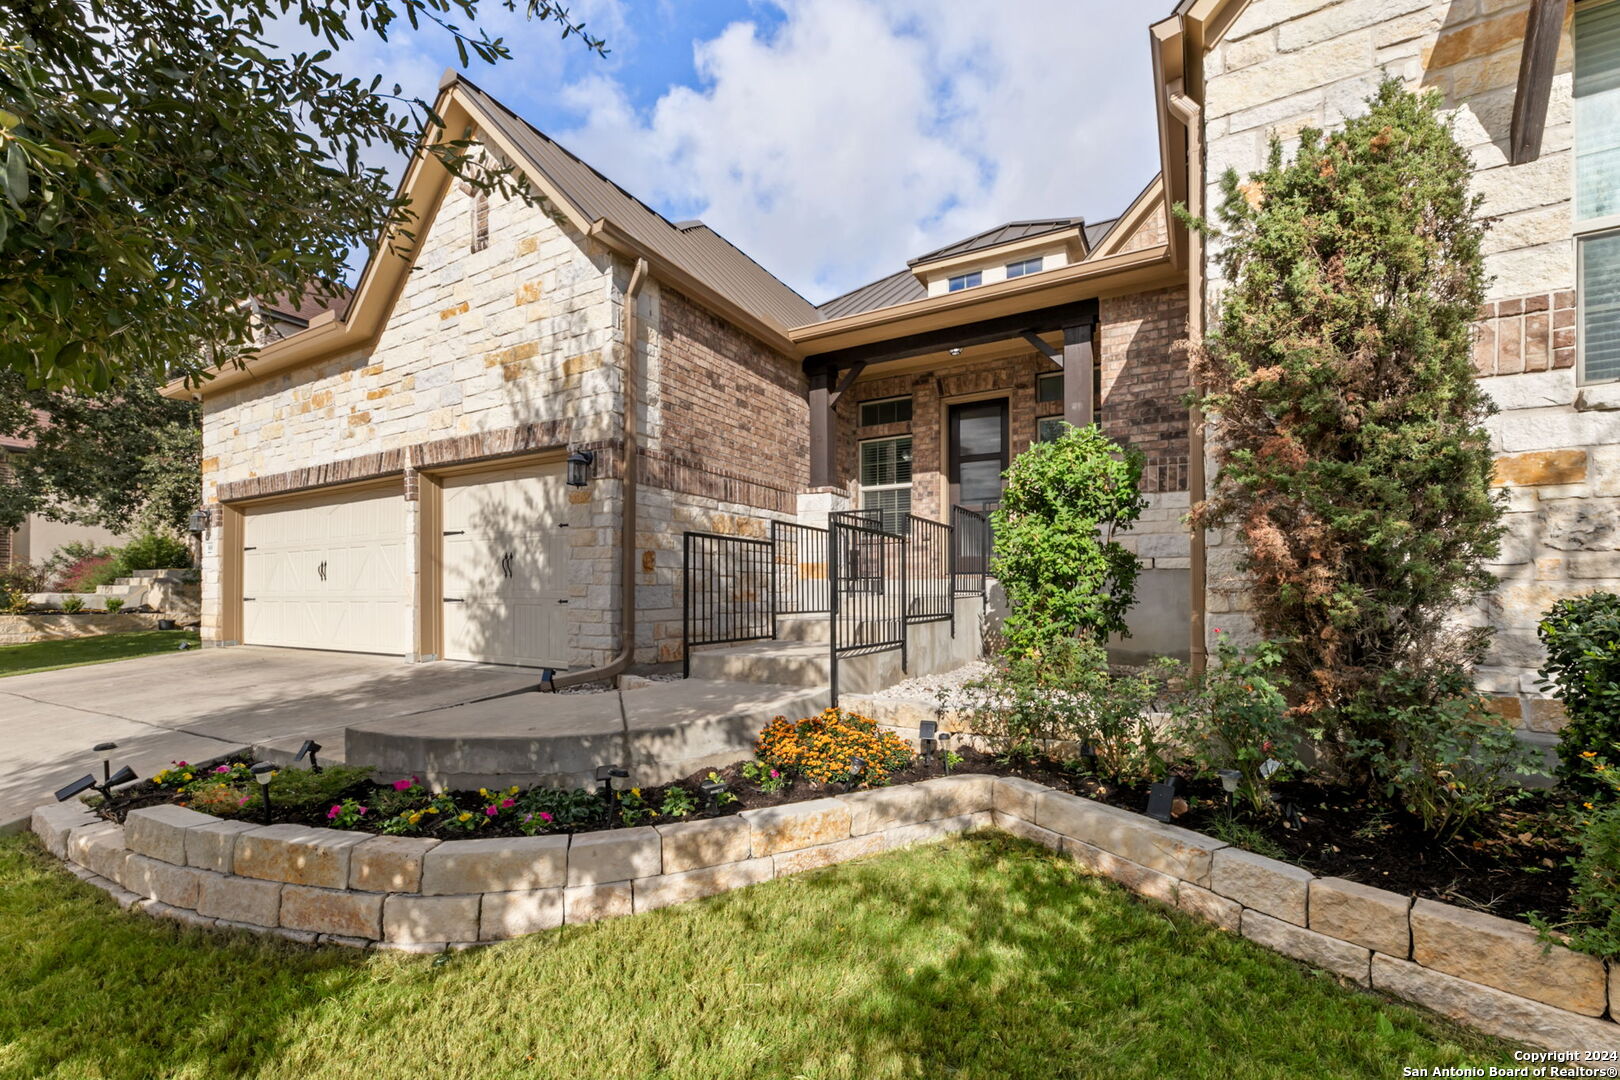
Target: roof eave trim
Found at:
x=1073, y=238
x=1033, y=285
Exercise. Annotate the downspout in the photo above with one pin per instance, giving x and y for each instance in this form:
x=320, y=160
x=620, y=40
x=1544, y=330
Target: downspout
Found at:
x=1191, y=117
x=627, y=518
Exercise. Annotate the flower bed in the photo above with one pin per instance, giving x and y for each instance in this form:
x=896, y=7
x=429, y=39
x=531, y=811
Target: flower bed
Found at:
x=421, y=894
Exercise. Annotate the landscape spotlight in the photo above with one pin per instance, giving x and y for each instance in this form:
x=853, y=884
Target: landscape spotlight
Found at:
x=856, y=767
x=106, y=762
x=122, y=776
x=605, y=775
x=262, y=772
x=927, y=730
x=310, y=747
x=78, y=787
x=1162, y=800
x=712, y=790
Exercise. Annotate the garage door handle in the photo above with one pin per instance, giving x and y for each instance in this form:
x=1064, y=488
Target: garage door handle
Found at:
x=250, y=549
x=562, y=601
x=322, y=569
x=454, y=600
x=455, y=532
x=249, y=599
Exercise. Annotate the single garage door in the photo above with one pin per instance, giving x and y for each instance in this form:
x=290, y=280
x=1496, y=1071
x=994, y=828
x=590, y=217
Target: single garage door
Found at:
x=327, y=572
x=505, y=567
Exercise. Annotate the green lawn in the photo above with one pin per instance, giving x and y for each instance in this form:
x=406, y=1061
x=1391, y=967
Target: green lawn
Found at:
x=101, y=649
x=981, y=957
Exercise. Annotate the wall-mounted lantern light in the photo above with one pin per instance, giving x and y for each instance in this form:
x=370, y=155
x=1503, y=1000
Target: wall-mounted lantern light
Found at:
x=197, y=523
x=579, y=468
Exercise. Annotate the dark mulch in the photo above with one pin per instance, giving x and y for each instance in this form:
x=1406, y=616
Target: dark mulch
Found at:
x=1511, y=865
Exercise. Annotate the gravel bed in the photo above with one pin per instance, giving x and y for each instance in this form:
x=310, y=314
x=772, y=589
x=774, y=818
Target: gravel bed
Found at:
x=604, y=687
x=928, y=687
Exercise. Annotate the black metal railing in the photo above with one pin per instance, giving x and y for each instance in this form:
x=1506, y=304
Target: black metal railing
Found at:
x=728, y=587
x=867, y=569
x=800, y=555
x=929, y=580
x=970, y=544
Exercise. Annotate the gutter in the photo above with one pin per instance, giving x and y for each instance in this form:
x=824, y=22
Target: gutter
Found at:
x=1191, y=116
x=627, y=496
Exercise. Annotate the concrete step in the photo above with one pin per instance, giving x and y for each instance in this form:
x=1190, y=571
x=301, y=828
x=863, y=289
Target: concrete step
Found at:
x=778, y=663
x=148, y=576
x=133, y=593
x=804, y=628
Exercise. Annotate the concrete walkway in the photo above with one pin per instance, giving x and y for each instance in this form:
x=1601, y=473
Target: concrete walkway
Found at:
x=201, y=704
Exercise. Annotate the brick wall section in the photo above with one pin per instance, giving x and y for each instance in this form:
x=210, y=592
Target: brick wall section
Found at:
x=1144, y=378
x=1526, y=334
x=727, y=401
x=5, y=534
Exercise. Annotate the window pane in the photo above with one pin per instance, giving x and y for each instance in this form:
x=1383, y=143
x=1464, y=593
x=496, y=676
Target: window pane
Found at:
x=1600, y=307
x=894, y=503
x=1049, y=387
x=892, y=411
x=980, y=481
x=1597, y=111
x=978, y=435
x=1027, y=266
x=1049, y=428
x=965, y=281
x=886, y=461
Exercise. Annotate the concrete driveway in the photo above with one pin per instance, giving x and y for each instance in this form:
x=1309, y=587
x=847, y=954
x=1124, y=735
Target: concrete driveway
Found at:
x=200, y=704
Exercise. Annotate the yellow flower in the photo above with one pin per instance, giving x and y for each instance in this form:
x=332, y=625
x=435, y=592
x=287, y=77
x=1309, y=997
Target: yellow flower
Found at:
x=636, y=792
x=465, y=816
x=186, y=777
x=513, y=790
x=1587, y=805
x=1588, y=753
x=484, y=792
x=433, y=809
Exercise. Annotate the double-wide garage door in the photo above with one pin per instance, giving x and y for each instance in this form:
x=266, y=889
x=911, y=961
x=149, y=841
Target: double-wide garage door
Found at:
x=328, y=571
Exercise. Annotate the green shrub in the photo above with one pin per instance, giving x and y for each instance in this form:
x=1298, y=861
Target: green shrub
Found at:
x=154, y=551
x=72, y=604
x=1063, y=701
x=1238, y=719
x=1055, y=549
x=115, y=604
x=1582, y=637
x=304, y=791
x=1440, y=754
x=1594, y=922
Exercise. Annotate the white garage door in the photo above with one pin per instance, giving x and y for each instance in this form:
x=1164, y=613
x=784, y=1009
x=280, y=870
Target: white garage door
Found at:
x=327, y=572
x=505, y=567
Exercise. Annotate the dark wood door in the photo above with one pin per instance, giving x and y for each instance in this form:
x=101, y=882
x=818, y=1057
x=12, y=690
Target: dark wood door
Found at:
x=978, y=453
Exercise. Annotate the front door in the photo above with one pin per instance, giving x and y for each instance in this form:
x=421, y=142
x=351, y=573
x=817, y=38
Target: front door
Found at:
x=978, y=453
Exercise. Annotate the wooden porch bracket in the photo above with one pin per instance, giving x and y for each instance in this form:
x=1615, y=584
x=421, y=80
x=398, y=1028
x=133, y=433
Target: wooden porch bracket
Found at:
x=1042, y=347
x=847, y=381
x=1540, y=57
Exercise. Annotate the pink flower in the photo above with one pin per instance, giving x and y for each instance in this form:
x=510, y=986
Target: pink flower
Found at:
x=182, y=764
x=222, y=768
x=490, y=811
x=545, y=817
x=775, y=775
x=242, y=801
x=507, y=804
x=404, y=785
x=363, y=810
x=334, y=812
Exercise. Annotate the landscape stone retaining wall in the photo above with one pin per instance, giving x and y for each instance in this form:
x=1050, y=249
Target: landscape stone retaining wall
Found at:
x=421, y=895
x=56, y=626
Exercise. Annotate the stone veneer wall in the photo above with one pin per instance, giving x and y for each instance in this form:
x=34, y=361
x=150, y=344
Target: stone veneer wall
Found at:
x=518, y=348
x=324, y=885
x=1286, y=64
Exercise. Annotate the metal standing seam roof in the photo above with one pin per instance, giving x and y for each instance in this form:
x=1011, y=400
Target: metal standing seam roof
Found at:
x=1001, y=234
x=694, y=247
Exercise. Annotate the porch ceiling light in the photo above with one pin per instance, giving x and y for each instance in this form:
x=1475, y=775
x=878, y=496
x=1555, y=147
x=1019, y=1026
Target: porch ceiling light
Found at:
x=579, y=468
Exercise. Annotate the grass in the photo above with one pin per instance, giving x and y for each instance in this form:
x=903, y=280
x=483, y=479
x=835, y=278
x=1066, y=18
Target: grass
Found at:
x=981, y=957
x=100, y=649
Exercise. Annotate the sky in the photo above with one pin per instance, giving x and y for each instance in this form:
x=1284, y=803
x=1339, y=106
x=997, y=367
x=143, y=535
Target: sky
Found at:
x=831, y=140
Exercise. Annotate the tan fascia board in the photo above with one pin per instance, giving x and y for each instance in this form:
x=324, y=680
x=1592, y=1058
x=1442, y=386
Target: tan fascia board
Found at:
x=1151, y=200
x=1073, y=239
x=616, y=239
x=1148, y=268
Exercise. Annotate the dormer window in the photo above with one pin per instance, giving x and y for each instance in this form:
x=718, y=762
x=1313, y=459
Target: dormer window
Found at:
x=1022, y=267
x=966, y=281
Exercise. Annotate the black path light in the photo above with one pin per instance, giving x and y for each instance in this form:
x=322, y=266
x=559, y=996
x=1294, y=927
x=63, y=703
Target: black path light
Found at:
x=857, y=766
x=104, y=748
x=1161, y=800
x=943, y=738
x=712, y=790
x=927, y=731
x=605, y=775
x=579, y=468
x=311, y=748
x=262, y=772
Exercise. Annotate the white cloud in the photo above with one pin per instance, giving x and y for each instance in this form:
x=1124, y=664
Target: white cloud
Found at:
x=854, y=133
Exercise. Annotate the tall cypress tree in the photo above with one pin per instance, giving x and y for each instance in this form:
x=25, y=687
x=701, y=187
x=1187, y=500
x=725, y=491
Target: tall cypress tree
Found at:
x=1349, y=427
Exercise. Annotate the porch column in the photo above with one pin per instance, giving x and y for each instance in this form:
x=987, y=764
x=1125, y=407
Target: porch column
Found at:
x=823, y=428
x=1078, y=407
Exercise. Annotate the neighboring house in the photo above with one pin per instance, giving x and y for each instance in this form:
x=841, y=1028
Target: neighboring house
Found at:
x=1534, y=91
x=39, y=536
x=391, y=479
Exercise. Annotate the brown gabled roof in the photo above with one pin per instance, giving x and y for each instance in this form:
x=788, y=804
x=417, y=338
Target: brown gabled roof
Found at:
x=694, y=247
x=303, y=308
x=1001, y=234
